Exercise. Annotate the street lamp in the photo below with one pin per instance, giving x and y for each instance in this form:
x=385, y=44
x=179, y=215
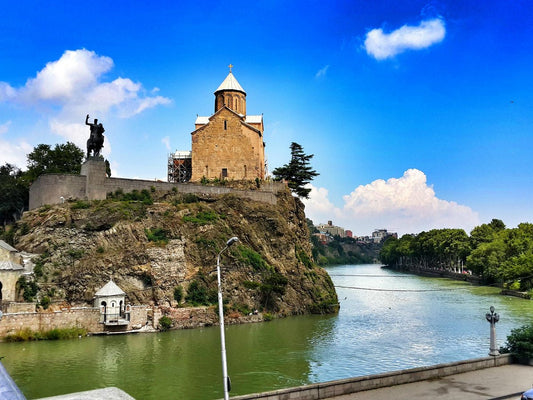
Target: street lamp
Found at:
x=225, y=376
x=493, y=317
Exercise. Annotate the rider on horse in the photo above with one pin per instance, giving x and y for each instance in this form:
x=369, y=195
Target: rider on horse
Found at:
x=96, y=140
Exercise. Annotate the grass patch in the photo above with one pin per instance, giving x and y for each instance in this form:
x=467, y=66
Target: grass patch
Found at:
x=157, y=235
x=253, y=258
x=202, y=218
x=80, y=205
x=27, y=334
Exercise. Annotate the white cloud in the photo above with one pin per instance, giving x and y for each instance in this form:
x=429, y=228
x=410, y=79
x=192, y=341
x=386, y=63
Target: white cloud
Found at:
x=13, y=152
x=404, y=205
x=322, y=72
x=382, y=45
x=70, y=76
x=166, y=142
x=73, y=86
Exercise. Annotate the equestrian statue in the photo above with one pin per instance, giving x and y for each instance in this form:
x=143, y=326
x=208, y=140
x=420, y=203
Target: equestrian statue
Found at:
x=96, y=140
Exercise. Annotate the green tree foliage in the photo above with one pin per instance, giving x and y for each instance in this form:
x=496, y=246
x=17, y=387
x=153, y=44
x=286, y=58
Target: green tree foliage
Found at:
x=14, y=193
x=63, y=158
x=493, y=252
x=485, y=233
x=297, y=172
x=438, y=248
x=520, y=342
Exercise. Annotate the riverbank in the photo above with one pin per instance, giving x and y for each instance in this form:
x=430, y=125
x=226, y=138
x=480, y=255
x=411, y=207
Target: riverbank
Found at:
x=440, y=273
x=437, y=273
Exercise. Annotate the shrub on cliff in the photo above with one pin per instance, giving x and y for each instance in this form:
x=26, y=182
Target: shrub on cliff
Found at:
x=165, y=323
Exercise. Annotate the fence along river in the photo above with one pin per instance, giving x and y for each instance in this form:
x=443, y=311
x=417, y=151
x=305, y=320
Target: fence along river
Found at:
x=387, y=321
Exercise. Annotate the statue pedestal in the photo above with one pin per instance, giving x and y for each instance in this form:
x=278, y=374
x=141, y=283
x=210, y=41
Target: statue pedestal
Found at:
x=94, y=169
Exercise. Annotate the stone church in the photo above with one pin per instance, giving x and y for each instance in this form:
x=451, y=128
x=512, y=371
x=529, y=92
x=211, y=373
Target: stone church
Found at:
x=228, y=144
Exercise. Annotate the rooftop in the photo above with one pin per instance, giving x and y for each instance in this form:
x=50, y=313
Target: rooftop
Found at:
x=5, y=246
x=110, y=289
x=230, y=83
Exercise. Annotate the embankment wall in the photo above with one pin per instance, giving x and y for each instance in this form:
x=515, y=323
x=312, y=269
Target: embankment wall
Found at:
x=80, y=317
x=331, y=389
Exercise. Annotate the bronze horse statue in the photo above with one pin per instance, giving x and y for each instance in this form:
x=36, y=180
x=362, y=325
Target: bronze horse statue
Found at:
x=96, y=140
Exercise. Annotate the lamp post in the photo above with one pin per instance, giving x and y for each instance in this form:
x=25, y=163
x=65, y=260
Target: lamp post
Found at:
x=493, y=317
x=221, y=318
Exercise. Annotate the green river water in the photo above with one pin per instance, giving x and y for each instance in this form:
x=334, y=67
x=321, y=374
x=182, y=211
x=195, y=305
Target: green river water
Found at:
x=387, y=321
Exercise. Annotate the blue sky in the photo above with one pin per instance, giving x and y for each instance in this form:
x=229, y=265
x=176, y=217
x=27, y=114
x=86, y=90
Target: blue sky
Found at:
x=418, y=113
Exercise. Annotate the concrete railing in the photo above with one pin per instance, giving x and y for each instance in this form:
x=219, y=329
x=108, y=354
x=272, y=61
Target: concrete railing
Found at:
x=341, y=387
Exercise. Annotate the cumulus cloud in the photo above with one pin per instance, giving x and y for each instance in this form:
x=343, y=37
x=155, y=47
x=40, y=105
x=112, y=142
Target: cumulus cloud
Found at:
x=406, y=205
x=12, y=152
x=322, y=72
x=382, y=45
x=73, y=85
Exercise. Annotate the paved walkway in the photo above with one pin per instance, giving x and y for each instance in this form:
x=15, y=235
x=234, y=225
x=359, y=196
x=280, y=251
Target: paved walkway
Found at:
x=507, y=382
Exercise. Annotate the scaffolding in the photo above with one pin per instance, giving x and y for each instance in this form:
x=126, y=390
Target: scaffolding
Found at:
x=180, y=166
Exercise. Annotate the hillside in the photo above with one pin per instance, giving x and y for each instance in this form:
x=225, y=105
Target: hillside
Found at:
x=344, y=251
x=159, y=247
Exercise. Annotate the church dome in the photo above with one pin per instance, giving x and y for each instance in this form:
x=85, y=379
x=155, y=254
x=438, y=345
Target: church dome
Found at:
x=230, y=83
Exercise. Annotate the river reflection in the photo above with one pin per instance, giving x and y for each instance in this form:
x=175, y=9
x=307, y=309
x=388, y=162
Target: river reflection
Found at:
x=387, y=321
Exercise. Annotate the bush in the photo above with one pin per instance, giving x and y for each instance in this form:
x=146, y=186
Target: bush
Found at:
x=80, y=204
x=157, y=235
x=520, y=342
x=165, y=323
x=199, y=295
x=202, y=218
x=45, y=302
x=29, y=289
x=178, y=293
x=254, y=259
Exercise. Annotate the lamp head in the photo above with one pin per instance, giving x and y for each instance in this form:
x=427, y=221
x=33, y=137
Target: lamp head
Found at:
x=232, y=240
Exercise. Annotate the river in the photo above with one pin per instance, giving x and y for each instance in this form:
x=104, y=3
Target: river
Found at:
x=387, y=321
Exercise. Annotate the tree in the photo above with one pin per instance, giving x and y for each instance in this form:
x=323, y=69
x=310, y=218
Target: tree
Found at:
x=63, y=158
x=297, y=172
x=13, y=193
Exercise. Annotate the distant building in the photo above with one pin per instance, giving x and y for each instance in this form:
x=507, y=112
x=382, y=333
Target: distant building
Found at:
x=331, y=229
x=381, y=234
x=349, y=233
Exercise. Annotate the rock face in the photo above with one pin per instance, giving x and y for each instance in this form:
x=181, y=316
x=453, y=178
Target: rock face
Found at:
x=161, y=248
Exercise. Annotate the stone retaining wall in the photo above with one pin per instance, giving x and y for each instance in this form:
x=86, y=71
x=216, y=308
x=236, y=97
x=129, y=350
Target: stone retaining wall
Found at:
x=80, y=317
x=331, y=389
x=55, y=188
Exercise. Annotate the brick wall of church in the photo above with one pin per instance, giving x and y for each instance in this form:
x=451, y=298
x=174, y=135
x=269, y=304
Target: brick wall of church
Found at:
x=225, y=143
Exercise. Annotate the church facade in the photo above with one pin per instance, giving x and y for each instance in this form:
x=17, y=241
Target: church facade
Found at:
x=228, y=144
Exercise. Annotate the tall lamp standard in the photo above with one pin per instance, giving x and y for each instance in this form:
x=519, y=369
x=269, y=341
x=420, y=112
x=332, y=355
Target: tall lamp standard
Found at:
x=221, y=318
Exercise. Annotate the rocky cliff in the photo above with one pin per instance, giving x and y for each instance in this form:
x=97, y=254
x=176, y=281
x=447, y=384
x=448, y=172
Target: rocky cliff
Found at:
x=161, y=248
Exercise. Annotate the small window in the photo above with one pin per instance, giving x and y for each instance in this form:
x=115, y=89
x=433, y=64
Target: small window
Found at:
x=224, y=172
x=225, y=124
